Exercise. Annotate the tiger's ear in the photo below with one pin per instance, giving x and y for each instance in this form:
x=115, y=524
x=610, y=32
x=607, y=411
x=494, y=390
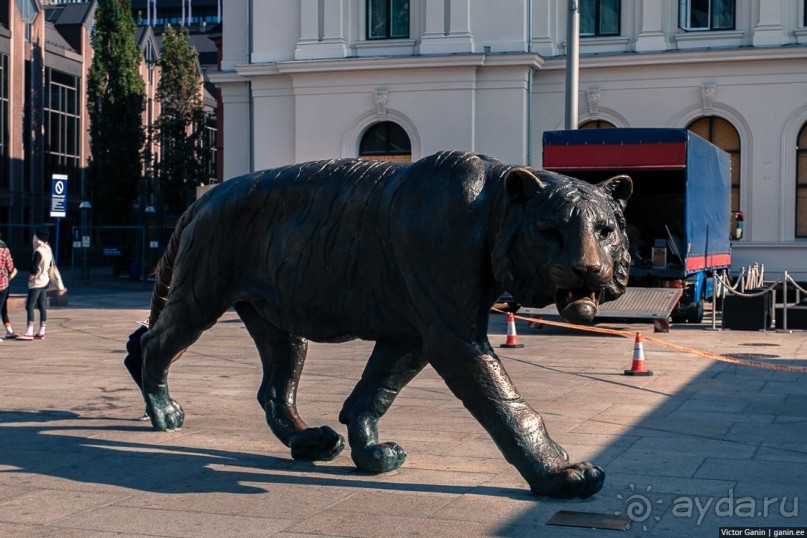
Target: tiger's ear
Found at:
x=521, y=184
x=619, y=188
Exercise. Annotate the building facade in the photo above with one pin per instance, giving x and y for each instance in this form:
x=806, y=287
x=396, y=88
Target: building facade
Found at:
x=45, y=57
x=200, y=19
x=44, y=52
x=405, y=78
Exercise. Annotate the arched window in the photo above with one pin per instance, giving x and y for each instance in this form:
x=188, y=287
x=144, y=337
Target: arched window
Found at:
x=722, y=134
x=386, y=141
x=801, y=183
x=597, y=124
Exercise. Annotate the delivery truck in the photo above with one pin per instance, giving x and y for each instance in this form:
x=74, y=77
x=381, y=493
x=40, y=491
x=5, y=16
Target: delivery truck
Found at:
x=679, y=217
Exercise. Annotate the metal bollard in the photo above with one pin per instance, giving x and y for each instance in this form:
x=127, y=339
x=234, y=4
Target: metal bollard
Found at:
x=784, y=303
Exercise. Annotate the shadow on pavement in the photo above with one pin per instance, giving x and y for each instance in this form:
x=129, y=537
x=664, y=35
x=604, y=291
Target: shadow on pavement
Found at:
x=42, y=443
x=725, y=449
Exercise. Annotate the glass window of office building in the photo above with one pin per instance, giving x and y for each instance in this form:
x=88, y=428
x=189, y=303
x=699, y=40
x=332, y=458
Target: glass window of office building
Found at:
x=62, y=126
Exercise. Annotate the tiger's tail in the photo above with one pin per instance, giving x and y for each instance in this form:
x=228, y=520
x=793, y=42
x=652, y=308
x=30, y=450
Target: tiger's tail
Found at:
x=165, y=267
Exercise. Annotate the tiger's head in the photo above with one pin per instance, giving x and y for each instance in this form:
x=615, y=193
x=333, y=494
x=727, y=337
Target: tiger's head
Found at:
x=563, y=240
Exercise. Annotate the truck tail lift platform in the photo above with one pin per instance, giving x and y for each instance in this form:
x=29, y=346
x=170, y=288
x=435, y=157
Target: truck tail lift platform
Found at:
x=678, y=218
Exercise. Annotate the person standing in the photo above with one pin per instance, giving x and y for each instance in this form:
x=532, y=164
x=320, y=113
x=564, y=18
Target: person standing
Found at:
x=38, y=282
x=7, y=272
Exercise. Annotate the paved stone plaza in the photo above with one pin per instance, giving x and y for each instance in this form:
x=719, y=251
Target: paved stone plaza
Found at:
x=698, y=446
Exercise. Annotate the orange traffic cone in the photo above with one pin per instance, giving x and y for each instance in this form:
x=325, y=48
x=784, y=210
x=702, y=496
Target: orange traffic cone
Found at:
x=638, y=366
x=512, y=337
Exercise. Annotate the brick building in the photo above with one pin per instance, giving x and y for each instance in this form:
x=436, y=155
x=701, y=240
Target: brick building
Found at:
x=45, y=54
x=45, y=57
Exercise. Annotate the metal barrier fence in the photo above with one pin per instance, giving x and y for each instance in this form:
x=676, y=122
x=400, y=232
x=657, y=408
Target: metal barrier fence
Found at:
x=102, y=254
x=117, y=253
x=106, y=253
x=750, y=283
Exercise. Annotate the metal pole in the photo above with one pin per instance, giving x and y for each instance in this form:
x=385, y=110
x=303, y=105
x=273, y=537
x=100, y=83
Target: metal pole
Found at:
x=143, y=273
x=85, y=232
x=784, y=302
x=56, y=246
x=572, y=63
x=714, y=302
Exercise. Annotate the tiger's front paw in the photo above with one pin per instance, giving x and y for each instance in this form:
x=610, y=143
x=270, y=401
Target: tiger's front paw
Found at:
x=576, y=480
x=165, y=413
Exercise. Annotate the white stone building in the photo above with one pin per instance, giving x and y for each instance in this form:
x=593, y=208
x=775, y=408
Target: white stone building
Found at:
x=313, y=79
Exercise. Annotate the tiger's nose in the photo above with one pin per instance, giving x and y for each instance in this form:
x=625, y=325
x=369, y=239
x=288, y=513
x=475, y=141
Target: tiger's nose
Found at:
x=593, y=264
x=589, y=261
x=585, y=268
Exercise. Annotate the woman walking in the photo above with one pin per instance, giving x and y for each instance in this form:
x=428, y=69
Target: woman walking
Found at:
x=38, y=285
x=7, y=272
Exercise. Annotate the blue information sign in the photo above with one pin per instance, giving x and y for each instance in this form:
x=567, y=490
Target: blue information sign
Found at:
x=58, y=196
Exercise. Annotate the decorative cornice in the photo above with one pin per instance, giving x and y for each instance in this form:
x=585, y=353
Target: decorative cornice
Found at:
x=533, y=61
x=724, y=56
x=225, y=77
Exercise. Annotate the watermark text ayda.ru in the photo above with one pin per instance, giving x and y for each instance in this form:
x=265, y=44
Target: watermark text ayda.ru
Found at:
x=640, y=507
x=739, y=507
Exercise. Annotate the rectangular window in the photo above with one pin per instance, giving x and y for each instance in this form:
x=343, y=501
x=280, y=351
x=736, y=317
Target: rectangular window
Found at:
x=387, y=19
x=62, y=125
x=600, y=17
x=704, y=15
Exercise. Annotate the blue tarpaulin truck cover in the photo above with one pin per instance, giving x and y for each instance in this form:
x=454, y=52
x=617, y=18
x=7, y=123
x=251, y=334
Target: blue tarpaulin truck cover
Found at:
x=683, y=156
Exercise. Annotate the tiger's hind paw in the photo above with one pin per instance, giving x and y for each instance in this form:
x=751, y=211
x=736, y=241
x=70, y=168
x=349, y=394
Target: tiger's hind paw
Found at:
x=381, y=458
x=316, y=444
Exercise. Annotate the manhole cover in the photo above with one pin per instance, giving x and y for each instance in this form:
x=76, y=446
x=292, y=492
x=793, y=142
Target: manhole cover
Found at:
x=760, y=344
x=751, y=355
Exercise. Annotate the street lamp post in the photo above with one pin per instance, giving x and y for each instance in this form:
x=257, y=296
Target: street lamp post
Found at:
x=572, y=63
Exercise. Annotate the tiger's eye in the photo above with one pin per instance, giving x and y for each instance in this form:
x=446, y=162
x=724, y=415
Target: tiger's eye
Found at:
x=606, y=230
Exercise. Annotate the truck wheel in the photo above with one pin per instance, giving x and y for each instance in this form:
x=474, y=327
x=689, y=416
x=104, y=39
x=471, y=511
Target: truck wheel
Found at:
x=694, y=312
x=678, y=315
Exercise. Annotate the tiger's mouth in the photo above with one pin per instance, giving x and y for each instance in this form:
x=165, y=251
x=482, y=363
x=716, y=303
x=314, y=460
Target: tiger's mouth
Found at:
x=579, y=305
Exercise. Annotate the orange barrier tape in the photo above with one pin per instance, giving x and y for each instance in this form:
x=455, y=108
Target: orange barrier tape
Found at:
x=684, y=349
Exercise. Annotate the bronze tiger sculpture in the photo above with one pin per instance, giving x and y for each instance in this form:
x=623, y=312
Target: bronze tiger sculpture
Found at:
x=411, y=256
